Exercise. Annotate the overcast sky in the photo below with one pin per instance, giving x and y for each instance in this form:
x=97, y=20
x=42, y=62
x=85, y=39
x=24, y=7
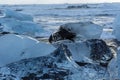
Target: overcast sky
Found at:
x=53, y=1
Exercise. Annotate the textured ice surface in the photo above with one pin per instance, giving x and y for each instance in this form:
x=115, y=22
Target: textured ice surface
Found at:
x=16, y=47
x=16, y=15
x=19, y=23
x=51, y=17
x=117, y=27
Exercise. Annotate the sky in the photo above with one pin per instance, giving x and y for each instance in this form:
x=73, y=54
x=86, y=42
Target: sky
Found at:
x=53, y=1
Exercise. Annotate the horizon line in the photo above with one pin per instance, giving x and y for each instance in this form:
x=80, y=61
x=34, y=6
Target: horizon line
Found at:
x=58, y=3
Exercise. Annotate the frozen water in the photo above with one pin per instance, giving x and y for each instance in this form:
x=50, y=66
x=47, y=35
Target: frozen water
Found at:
x=85, y=30
x=13, y=14
x=21, y=27
x=117, y=27
x=16, y=47
x=19, y=23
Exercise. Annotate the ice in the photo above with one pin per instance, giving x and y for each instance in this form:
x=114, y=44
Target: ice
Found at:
x=117, y=27
x=19, y=16
x=85, y=30
x=16, y=47
x=21, y=27
x=77, y=32
x=31, y=20
x=118, y=63
x=91, y=51
x=19, y=23
x=107, y=34
x=80, y=52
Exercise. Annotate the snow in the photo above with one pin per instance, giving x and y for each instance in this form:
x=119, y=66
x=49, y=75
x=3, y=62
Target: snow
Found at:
x=16, y=47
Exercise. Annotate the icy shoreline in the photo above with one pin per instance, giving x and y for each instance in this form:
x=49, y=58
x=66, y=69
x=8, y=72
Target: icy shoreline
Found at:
x=23, y=57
